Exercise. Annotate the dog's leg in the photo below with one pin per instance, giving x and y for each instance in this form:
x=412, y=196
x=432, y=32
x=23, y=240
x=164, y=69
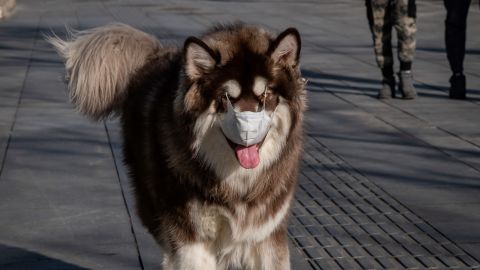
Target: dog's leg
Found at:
x=167, y=262
x=273, y=253
x=194, y=256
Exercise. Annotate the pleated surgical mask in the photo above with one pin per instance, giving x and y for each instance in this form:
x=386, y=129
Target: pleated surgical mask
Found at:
x=245, y=128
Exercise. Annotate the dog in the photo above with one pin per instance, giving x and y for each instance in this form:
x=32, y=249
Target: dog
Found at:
x=212, y=135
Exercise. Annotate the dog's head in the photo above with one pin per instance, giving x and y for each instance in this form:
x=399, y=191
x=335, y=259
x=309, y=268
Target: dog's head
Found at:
x=252, y=69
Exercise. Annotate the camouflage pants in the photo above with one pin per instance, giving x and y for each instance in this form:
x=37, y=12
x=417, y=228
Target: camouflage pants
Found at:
x=383, y=15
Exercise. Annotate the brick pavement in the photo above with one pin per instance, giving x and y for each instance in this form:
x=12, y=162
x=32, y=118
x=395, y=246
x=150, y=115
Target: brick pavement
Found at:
x=342, y=220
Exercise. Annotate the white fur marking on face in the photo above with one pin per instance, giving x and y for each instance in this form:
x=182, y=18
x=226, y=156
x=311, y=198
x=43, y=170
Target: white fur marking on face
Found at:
x=259, y=85
x=233, y=88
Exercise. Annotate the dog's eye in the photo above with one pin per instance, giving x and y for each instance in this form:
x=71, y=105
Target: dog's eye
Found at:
x=271, y=88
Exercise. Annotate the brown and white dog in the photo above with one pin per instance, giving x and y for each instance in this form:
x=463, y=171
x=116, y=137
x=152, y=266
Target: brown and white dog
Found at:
x=194, y=193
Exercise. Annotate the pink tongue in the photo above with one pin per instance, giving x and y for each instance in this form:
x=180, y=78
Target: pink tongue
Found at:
x=248, y=156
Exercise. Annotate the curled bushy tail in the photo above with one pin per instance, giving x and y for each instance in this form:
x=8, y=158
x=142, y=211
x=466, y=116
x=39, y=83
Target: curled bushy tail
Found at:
x=100, y=63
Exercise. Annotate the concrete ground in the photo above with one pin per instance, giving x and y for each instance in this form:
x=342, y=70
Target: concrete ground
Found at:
x=389, y=184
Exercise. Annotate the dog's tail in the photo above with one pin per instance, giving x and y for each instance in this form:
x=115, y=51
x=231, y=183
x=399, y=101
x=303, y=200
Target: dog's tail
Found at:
x=100, y=63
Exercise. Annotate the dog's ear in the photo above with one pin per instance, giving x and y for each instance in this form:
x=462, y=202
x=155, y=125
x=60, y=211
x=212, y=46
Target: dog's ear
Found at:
x=199, y=58
x=286, y=47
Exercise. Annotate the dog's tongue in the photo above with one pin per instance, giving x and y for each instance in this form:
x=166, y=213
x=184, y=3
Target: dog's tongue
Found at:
x=248, y=156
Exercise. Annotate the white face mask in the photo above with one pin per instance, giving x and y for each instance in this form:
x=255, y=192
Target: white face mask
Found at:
x=245, y=128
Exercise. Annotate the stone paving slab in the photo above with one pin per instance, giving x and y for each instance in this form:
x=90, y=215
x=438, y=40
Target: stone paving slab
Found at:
x=384, y=184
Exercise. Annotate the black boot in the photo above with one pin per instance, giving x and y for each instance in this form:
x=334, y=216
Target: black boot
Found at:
x=388, y=88
x=458, y=86
x=406, y=84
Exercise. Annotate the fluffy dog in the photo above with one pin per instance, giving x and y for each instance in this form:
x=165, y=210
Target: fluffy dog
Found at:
x=213, y=197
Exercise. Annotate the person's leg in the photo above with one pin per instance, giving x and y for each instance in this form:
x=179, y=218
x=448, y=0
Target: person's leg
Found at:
x=379, y=13
x=455, y=37
x=405, y=25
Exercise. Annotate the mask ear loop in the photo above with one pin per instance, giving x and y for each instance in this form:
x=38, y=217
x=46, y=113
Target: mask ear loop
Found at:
x=229, y=103
x=264, y=97
x=228, y=99
x=226, y=95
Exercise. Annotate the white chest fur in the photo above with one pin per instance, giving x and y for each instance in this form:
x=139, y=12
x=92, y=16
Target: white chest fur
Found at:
x=223, y=228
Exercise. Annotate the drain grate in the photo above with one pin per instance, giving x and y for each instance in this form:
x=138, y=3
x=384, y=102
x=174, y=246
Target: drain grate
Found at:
x=341, y=220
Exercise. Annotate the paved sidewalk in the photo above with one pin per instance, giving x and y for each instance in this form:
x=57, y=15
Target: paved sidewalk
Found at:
x=384, y=184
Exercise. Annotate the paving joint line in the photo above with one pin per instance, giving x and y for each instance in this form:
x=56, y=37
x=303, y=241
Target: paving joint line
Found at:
x=20, y=96
x=132, y=229
x=122, y=191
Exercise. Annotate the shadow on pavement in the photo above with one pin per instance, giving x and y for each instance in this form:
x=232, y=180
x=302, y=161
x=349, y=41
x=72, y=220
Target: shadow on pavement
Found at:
x=442, y=50
x=14, y=258
x=326, y=81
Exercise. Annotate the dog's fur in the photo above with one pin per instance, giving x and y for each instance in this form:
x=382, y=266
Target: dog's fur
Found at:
x=202, y=207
